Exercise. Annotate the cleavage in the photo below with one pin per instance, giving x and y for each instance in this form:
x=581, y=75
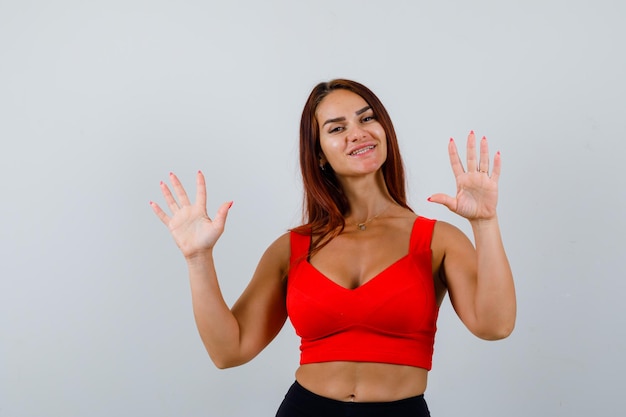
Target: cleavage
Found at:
x=351, y=264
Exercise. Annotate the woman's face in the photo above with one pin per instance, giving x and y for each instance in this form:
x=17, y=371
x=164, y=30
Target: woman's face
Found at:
x=353, y=142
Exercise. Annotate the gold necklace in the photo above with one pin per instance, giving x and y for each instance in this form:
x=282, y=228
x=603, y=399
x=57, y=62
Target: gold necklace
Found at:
x=362, y=227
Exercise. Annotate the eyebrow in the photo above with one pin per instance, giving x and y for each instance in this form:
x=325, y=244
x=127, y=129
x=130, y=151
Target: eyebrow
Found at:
x=341, y=119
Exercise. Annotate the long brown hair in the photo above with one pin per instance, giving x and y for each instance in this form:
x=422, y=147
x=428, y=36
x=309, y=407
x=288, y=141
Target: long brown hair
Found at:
x=325, y=203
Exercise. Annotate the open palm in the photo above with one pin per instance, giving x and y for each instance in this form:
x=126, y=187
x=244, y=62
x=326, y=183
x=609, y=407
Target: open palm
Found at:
x=192, y=229
x=476, y=190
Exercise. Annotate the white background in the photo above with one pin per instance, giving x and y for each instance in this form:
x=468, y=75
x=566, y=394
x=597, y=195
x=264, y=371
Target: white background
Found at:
x=99, y=100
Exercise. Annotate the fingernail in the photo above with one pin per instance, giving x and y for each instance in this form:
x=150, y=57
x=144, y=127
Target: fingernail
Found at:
x=484, y=138
x=471, y=132
x=230, y=204
x=161, y=183
x=429, y=199
x=171, y=173
x=451, y=140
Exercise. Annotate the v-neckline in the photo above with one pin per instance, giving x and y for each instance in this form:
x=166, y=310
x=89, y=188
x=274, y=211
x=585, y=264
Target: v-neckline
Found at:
x=365, y=284
x=373, y=278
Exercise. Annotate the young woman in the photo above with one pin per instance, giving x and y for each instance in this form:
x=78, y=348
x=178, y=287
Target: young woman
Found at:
x=363, y=277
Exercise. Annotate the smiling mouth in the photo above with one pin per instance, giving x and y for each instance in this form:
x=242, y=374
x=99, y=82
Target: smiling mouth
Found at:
x=361, y=150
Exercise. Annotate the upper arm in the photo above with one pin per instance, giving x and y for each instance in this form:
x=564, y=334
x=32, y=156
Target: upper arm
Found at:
x=261, y=309
x=458, y=269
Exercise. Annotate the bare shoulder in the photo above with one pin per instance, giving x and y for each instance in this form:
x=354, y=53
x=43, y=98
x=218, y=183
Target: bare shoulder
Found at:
x=281, y=246
x=278, y=252
x=446, y=235
x=449, y=243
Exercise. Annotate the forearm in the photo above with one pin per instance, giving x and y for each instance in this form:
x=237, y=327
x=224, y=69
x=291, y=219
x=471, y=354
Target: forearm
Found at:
x=495, y=303
x=218, y=327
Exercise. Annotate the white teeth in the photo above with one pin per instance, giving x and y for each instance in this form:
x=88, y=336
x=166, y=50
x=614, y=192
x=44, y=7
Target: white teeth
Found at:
x=362, y=150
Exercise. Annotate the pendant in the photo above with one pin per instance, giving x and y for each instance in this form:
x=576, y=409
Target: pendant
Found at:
x=361, y=226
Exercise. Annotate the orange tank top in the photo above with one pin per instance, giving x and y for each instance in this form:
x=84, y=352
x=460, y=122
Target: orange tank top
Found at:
x=389, y=319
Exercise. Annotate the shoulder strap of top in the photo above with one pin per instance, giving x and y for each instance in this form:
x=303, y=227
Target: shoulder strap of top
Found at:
x=299, y=246
x=422, y=233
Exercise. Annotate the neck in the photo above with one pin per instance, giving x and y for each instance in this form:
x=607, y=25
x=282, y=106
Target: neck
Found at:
x=368, y=197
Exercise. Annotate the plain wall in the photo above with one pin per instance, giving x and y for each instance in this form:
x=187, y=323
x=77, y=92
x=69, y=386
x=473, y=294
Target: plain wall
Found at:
x=99, y=100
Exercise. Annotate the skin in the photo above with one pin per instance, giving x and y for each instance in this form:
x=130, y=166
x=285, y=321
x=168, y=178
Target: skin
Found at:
x=478, y=279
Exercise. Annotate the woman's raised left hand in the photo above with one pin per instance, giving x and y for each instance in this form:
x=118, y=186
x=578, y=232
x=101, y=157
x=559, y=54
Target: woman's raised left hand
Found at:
x=476, y=189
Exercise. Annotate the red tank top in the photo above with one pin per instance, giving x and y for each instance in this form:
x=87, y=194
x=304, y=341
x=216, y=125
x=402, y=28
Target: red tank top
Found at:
x=389, y=319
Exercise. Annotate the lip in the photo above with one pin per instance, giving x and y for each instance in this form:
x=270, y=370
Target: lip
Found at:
x=361, y=147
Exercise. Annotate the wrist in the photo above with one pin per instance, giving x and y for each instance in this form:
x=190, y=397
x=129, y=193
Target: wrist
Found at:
x=199, y=258
x=480, y=224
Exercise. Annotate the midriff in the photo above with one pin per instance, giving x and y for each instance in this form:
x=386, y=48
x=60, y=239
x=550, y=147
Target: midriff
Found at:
x=362, y=381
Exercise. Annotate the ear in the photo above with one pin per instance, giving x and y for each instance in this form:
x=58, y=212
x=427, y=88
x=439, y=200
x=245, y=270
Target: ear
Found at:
x=323, y=160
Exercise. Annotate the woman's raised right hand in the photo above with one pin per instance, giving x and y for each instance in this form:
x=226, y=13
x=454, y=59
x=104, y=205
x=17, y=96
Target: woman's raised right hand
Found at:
x=192, y=229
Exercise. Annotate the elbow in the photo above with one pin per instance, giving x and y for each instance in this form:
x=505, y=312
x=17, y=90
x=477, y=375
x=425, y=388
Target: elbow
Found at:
x=496, y=332
x=225, y=363
x=222, y=355
x=220, y=363
x=496, y=335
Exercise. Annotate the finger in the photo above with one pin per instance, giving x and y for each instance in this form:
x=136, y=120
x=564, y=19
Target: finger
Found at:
x=471, y=152
x=497, y=164
x=160, y=213
x=444, y=199
x=483, y=165
x=455, y=160
x=179, y=190
x=201, y=190
x=222, y=214
x=169, y=198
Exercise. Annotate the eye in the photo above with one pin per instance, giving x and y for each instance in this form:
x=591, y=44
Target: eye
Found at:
x=368, y=118
x=335, y=129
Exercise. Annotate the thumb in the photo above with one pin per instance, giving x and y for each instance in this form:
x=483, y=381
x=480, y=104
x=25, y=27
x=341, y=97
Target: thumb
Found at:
x=222, y=213
x=443, y=199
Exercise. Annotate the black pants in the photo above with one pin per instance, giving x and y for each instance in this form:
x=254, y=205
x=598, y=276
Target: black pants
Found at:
x=300, y=402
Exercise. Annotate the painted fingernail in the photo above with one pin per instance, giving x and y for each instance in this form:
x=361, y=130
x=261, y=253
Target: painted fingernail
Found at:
x=471, y=132
x=230, y=204
x=429, y=199
x=451, y=140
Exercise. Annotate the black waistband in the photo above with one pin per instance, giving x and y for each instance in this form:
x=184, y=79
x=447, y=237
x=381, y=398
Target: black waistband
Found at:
x=300, y=402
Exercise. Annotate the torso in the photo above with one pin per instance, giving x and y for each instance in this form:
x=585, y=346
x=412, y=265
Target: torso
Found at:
x=368, y=252
x=362, y=381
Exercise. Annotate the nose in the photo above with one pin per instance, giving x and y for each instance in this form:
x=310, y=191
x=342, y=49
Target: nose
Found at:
x=355, y=134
